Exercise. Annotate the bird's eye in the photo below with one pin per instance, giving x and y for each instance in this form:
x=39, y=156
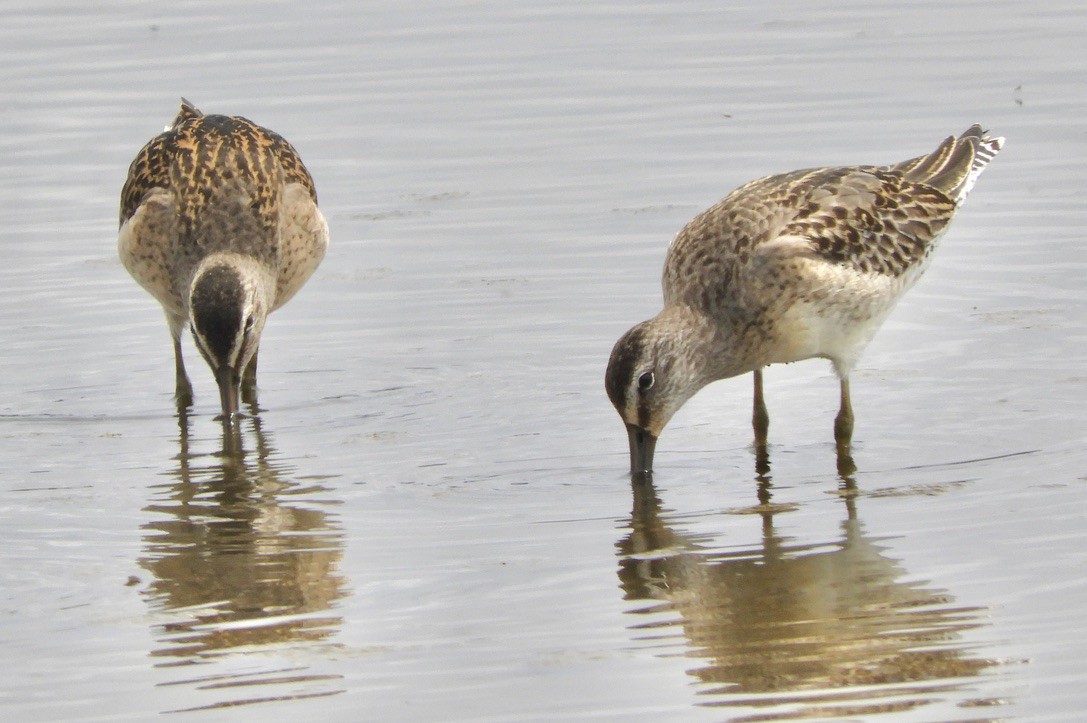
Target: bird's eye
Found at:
x=249, y=322
x=645, y=381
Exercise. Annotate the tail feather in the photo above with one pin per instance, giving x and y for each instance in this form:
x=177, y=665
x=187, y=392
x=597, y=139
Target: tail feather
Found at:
x=955, y=165
x=188, y=111
x=985, y=151
x=952, y=175
x=923, y=168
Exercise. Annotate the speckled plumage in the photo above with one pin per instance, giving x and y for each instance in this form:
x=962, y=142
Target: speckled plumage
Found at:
x=216, y=193
x=788, y=267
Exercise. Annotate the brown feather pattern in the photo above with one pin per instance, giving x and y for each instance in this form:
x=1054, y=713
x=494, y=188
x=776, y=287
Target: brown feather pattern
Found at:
x=792, y=266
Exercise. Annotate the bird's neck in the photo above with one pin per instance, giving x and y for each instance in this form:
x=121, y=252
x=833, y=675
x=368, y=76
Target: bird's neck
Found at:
x=712, y=350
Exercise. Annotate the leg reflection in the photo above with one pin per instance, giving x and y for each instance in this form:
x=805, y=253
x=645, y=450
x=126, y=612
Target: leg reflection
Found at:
x=785, y=616
x=239, y=555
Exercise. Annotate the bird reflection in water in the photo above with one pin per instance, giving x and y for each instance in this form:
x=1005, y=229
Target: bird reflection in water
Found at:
x=243, y=559
x=832, y=629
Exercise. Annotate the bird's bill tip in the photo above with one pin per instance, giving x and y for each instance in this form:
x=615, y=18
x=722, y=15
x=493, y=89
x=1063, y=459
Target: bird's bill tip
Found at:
x=642, y=446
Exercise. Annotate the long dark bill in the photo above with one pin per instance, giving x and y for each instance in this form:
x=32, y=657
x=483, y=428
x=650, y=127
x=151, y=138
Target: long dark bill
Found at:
x=642, y=446
x=228, y=391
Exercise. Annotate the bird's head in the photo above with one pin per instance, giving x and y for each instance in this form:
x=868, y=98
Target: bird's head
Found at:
x=653, y=370
x=227, y=310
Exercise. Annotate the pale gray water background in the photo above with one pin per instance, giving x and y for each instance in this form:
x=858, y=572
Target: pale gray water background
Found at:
x=431, y=517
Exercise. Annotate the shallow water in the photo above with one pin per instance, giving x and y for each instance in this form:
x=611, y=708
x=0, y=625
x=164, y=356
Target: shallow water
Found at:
x=427, y=517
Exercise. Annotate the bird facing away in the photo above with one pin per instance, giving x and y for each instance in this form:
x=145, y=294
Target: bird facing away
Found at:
x=219, y=222
x=788, y=267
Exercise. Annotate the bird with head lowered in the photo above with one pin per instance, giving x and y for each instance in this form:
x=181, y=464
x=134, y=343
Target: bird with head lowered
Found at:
x=219, y=222
x=788, y=267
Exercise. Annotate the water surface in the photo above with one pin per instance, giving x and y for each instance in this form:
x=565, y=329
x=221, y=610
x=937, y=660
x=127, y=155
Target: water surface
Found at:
x=427, y=515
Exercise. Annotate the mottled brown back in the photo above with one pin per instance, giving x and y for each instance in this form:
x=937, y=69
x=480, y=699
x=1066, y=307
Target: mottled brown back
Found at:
x=871, y=219
x=202, y=155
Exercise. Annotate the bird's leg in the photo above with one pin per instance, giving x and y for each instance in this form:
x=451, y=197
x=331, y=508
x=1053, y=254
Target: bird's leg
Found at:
x=760, y=418
x=843, y=435
x=843, y=423
x=249, y=381
x=182, y=385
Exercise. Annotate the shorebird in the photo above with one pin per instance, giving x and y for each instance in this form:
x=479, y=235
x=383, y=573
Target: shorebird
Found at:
x=219, y=222
x=788, y=267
